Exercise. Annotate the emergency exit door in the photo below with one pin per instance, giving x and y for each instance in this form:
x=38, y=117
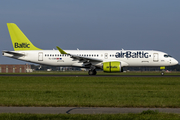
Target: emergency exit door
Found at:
x=155, y=57
x=106, y=55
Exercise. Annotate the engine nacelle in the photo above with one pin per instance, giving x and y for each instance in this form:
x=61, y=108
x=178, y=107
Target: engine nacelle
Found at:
x=114, y=66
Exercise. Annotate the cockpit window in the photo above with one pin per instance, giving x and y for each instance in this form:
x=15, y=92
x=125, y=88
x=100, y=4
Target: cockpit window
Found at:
x=166, y=56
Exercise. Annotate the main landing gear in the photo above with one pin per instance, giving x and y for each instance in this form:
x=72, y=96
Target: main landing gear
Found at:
x=92, y=71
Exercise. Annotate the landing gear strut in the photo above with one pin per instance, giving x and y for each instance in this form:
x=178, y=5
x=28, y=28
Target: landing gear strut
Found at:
x=92, y=70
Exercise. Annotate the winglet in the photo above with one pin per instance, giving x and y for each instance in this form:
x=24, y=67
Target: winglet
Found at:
x=60, y=50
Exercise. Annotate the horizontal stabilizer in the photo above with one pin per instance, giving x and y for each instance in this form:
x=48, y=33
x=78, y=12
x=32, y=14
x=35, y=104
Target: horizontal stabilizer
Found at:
x=13, y=53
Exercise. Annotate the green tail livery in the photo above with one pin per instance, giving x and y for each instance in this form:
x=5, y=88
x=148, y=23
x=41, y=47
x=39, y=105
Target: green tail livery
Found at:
x=19, y=40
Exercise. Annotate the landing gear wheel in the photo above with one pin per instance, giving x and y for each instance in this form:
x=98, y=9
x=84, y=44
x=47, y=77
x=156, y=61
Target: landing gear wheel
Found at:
x=162, y=73
x=92, y=72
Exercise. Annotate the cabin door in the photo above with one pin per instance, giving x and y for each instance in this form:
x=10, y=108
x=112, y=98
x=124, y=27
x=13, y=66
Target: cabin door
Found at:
x=155, y=57
x=40, y=56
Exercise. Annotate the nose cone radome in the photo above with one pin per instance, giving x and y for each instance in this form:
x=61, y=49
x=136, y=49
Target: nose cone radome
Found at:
x=174, y=62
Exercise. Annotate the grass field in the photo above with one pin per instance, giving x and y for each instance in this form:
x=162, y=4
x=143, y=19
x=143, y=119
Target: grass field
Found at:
x=104, y=73
x=141, y=116
x=90, y=91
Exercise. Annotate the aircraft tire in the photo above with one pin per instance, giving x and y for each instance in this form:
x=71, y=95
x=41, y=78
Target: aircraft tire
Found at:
x=162, y=73
x=92, y=72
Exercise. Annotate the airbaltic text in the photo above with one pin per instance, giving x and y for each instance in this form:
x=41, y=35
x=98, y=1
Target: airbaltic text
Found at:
x=129, y=54
x=21, y=45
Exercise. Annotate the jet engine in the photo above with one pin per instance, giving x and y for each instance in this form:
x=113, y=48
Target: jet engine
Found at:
x=114, y=66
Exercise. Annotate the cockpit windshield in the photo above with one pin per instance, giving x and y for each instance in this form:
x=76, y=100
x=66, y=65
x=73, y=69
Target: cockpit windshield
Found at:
x=166, y=56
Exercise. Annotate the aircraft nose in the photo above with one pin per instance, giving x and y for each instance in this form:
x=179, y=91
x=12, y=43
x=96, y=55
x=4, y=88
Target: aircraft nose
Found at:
x=174, y=62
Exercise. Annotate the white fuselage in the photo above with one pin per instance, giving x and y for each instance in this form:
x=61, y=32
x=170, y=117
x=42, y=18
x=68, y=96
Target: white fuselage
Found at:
x=126, y=57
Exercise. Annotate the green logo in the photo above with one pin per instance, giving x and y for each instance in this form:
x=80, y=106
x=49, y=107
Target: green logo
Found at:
x=111, y=67
x=21, y=45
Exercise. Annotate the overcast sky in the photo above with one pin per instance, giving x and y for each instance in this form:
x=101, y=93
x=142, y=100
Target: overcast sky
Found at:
x=93, y=24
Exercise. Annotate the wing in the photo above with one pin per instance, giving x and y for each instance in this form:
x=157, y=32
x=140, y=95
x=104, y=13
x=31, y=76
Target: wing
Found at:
x=81, y=58
x=87, y=60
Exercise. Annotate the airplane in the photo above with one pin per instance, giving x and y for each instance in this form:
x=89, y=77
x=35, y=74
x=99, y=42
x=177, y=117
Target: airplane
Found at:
x=107, y=60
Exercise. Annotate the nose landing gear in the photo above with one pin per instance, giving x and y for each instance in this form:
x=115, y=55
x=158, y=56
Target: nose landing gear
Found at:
x=162, y=73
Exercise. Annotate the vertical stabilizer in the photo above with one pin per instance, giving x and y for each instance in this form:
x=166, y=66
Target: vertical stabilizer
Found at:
x=19, y=40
